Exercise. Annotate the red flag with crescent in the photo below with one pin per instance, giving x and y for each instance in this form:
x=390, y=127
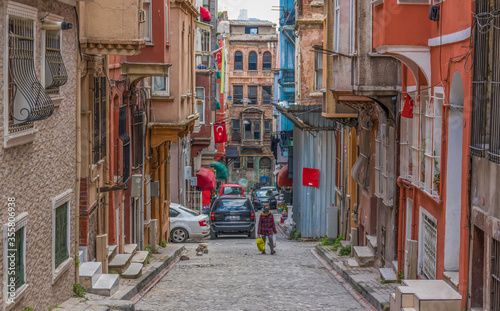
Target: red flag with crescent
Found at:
x=220, y=133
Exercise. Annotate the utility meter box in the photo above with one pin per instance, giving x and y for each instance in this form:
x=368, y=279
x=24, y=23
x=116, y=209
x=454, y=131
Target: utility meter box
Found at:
x=155, y=189
x=136, y=187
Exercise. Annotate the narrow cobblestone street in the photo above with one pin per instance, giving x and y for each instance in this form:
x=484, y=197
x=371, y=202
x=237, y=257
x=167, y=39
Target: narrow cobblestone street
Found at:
x=235, y=276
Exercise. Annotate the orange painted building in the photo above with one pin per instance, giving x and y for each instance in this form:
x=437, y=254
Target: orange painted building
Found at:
x=433, y=164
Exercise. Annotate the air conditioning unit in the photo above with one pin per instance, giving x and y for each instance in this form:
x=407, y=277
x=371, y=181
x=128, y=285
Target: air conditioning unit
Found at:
x=136, y=187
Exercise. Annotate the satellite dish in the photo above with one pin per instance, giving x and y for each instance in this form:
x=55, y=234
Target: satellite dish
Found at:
x=243, y=182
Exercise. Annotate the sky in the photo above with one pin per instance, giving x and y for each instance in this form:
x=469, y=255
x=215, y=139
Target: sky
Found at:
x=261, y=9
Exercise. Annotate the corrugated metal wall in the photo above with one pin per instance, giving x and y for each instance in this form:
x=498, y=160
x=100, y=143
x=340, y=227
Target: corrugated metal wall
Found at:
x=309, y=203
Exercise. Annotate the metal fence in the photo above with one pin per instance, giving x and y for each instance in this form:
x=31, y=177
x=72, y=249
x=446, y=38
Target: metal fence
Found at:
x=194, y=200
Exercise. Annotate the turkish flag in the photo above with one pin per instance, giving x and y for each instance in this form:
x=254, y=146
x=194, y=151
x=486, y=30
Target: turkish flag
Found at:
x=220, y=133
x=408, y=108
x=310, y=177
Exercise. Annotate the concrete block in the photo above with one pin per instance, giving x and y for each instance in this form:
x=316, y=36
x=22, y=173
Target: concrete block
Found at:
x=120, y=263
x=89, y=273
x=134, y=271
x=112, y=251
x=129, y=248
x=140, y=257
x=107, y=285
x=364, y=255
x=388, y=275
x=372, y=242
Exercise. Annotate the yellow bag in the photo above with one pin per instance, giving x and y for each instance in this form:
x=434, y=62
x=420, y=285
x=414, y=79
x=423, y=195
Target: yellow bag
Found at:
x=261, y=246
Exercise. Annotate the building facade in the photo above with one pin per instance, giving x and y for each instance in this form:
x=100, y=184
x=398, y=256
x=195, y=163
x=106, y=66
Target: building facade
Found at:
x=37, y=156
x=252, y=49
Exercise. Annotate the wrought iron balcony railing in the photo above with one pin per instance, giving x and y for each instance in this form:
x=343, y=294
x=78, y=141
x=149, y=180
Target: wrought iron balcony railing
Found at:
x=287, y=17
x=287, y=78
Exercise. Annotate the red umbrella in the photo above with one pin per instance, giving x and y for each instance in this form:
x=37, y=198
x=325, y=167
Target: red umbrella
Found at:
x=205, y=14
x=206, y=179
x=283, y=180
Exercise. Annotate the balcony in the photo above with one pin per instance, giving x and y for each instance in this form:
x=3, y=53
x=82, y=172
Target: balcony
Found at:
x=287, y=80
x=113, y=28
x=259, y=144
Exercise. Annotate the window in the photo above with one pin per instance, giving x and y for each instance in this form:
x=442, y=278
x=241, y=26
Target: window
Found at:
x=235, y=130
x=206, y=4
x=250, y=162
x=485, y=139
x=14, y=241
x=99, y=90
x=161, y=85
x=336, y=26
x=61, y=239
x=318, y=71
x=237, y=94
x=238, y=60
x=384, y=166
x=252, y=30
x=173, y=213
x=248, y=130
x=202, y=47
x=252, y=94
x=266, y=94
x=427, y=245
x=54, y=69
x=27, y=99
x=268, y=126
x=147, y=25
x=352, y=26
x=256, y=130
x=200, y=103
x=267, y=61
x=265, y=163
x=237, y=163
x=252, y=61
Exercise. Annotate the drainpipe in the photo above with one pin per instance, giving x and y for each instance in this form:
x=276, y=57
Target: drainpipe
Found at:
x=106, y=162
x=342, y=202
x=78, y=160
x=402, y=183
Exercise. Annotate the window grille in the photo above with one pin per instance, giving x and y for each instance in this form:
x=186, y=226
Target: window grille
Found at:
x=19, y=261
x=122, y=133
x=28, y=100
x=61, y=243
x=267, y=61
x=494, y=143
x=252, y=94
x=429, y=241
x=55, y=71
x=252, y=61
x=266, y=95
x=495, y=274
x=238, y=60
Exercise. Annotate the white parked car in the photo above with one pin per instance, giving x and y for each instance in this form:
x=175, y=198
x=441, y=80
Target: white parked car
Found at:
x=273, y=189
x=187, y=224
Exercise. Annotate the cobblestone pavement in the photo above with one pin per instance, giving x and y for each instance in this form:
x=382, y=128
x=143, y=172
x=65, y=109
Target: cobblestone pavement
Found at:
x=235, y=276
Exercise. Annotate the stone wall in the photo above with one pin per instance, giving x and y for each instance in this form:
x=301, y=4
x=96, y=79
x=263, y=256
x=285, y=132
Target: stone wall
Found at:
x=36, y=172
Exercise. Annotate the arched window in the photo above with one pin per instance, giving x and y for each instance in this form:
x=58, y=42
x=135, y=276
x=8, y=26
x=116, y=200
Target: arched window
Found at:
x=238, y=61
x=252, y=61
x=267, y=60
x=265, y=162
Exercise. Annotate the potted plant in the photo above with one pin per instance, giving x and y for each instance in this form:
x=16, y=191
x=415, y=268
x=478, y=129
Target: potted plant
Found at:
x=437, y=182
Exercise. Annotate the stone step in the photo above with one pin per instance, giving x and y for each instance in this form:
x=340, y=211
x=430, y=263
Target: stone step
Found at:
x=371, y=241
x=81, y=257
x=119, y=263
x=129, y=248
x=351, y=263
x=364, y=255
x=134, y=271
x=112, y=251
x=140, y=257
x=408, y=309
x=89, y=273
x=451, y=277
x=106, y=285
x=344, y=243
x=395, y=266
x=388, y=275
x=427, y=295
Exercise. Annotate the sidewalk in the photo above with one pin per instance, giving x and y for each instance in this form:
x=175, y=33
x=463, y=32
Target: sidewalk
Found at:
x=366, y=280
x=128, y=287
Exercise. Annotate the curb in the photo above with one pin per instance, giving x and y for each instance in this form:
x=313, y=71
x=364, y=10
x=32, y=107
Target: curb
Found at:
x=363, y=290
x=144, y=280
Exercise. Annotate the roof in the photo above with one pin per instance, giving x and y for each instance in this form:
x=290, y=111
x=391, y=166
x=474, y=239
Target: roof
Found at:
x=230, y=185
x=307, y=116
x=251, y=22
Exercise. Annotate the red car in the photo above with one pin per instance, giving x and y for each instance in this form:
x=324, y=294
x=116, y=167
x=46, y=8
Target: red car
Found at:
x=231, y=189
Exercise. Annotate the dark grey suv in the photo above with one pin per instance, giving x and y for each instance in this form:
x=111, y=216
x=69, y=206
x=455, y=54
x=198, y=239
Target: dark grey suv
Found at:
x=232, y=215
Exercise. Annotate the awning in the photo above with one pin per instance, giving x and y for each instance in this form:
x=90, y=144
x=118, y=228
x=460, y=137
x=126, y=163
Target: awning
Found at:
x=220, y=170
x=283, y=180
x=206, y=179
x=306, y=116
